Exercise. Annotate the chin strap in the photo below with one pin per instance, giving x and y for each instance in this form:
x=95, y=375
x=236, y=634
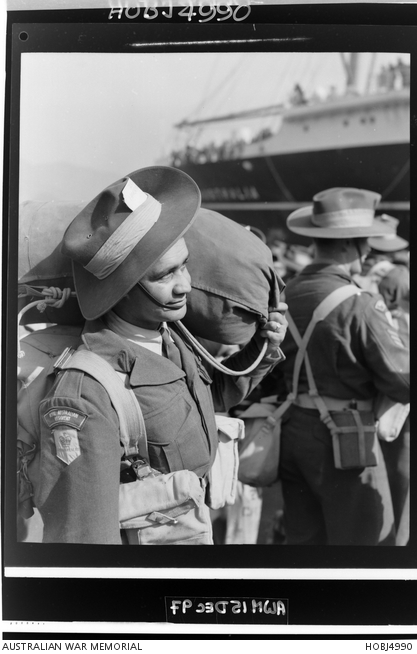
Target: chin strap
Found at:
x=151, y=297
x=359, y=253
x=56, y=297
x=201, y=350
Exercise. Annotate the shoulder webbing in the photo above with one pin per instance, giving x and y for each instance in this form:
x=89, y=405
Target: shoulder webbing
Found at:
x=123, y=399
x=322, y=310
x=320, y=313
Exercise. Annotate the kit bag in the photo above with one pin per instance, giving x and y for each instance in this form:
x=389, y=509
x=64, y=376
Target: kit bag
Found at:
x=233, y=280
x=41, y=264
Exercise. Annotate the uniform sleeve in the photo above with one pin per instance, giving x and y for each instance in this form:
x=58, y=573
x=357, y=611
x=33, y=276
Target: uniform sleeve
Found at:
x=229, y=391
x=386, y=354
x=78, y=489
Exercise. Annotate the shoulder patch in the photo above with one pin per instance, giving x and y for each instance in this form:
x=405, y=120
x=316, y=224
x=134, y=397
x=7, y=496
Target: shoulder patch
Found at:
x=67, y=444
x=381, y=306
x=395, y=337
x=65, y=416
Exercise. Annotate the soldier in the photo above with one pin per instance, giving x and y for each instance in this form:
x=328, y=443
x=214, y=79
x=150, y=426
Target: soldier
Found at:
x=130, y=271
x=395, y=289
x=354, y=353
x=395, y=285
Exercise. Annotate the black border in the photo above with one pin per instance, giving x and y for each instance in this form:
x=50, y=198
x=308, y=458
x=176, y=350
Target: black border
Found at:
x=311, y=602
x=346, y=27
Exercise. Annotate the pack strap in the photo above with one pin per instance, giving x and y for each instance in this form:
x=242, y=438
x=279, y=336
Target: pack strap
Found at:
x=201, y=351
x=320, y=313
x=123, y=399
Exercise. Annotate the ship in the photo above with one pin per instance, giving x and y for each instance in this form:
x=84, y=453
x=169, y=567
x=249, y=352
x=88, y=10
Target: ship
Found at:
x=359, y=139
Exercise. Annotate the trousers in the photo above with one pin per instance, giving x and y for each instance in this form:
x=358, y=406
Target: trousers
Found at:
x=325, y=505
x=397, y=460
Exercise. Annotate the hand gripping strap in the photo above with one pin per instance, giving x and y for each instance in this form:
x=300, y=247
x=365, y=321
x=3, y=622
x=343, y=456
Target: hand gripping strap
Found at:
x=123, y=399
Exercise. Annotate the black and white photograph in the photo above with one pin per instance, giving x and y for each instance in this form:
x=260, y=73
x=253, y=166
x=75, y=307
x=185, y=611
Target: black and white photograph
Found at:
x=208, y=296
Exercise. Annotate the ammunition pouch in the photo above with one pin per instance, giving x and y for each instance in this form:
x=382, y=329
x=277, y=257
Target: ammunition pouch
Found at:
x=354, y=438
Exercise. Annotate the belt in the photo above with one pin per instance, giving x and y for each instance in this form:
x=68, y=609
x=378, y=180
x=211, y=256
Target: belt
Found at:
x=305, y=401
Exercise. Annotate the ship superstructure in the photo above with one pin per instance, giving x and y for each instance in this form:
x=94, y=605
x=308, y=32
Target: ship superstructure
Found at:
x=354, y=139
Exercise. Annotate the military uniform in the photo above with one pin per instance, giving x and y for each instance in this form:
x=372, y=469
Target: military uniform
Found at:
x=395, y=286
x=77, y=494
x=354, y=353
x=395, y=289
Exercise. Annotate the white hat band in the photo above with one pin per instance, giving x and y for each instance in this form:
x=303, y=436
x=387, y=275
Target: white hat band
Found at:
x=120, y=244
x=344, y=218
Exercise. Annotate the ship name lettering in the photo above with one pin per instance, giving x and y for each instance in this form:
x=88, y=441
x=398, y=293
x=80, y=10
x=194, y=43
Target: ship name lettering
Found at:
x=230, y=193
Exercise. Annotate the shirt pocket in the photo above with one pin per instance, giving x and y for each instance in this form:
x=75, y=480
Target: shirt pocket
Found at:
x=176, y=438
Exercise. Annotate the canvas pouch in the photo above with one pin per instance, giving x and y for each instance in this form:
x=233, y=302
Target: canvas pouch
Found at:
x=190, y=528
x=260, y=450
x=390, y=416
x=354, y=441
x=223, y=475
x=163, y=509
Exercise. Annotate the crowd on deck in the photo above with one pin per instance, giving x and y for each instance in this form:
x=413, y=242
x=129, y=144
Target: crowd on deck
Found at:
x=390, y=77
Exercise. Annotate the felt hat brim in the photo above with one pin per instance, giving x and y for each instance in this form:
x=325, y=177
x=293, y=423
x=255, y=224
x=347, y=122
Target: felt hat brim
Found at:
x=300, y=222
x=180, y=198
x=388, y=244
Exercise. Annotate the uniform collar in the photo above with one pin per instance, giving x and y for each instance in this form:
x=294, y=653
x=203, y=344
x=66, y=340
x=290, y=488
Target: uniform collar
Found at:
x=148, y=338
x=143, y=366
x=326, y=269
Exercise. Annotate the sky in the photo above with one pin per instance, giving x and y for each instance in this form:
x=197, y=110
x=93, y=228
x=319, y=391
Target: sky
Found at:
x=87, y=119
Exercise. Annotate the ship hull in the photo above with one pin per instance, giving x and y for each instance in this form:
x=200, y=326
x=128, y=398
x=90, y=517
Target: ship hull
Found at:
x=239, y=187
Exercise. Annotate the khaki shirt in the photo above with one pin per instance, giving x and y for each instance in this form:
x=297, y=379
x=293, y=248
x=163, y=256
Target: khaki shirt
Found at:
x=75, y=472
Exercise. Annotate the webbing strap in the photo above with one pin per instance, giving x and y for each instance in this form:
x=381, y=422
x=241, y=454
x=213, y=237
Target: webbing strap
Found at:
x=123, y=399
x=361, y=432
x=320, y=313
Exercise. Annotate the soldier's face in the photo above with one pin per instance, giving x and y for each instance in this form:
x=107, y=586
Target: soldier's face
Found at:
x=362, y=250
x=168, y=282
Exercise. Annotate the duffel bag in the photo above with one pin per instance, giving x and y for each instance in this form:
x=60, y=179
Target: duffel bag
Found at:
x=233, y=279
x=41, y=264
